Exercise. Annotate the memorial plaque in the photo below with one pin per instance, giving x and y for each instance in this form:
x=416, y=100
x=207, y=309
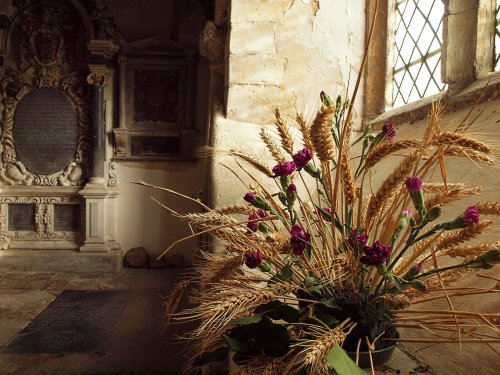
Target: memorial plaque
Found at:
x=77, y=321
x=155, y=146
x=45, y=131
x=21, y=217
x=67, y=217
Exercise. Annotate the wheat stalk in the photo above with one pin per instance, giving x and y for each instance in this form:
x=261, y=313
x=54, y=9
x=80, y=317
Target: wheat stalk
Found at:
x=214, y=267
x=171, y=303
x=473, y=250
x=454, y=139
x=272, y=146
x=253, y=161
x=348, y=182
x=390, y=185
x=321, y=133
x=219, y=304
x=235, y=209
x=449, y=196
x=284, y=132
x=441, y=187
x=304, y=130
x=469, y=153
x=313, y=352
x=488, y=208
x=385, y=149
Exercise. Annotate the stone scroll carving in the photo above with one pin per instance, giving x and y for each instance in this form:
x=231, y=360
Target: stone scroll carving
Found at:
x=46, y=51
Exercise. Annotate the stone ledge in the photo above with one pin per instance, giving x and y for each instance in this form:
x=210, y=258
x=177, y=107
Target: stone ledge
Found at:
x=60, y=261
x=483, y=90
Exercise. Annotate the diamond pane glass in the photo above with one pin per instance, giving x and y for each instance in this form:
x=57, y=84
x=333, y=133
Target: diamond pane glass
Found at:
x=417, y=52
x=497, y=36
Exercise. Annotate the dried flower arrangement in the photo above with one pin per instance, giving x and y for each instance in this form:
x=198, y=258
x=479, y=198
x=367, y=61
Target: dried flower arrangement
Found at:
x=317, y=264
x=329, y=267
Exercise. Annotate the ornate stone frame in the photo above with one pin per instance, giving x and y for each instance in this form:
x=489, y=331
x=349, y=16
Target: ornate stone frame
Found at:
x=168, y=57
x=29, y=69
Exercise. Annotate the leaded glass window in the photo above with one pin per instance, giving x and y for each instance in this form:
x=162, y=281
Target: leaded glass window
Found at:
x=417, y=50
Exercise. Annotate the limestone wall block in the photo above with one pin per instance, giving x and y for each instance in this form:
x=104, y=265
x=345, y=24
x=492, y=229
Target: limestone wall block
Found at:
x=252, y=39
x=255, y=104
x=243, y=11
x=256, y=70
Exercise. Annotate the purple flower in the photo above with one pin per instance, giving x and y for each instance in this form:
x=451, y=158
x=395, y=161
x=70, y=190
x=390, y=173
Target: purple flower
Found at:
x=291, y=189
x=389, y=132
x=376, y=254
x=299, y=240
x=261, y=213
x=407, y=212
x=253, y=225
x=471, y=215
x=249, y=197
x=302, y=157
x=357, y=240
x=253, y=260
x=284, y=169
x=413, y=184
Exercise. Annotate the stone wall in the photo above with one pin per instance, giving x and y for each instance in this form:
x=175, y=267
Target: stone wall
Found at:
x=282, y=54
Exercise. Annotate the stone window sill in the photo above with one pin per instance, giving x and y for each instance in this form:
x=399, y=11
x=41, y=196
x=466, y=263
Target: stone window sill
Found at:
x=484, y=89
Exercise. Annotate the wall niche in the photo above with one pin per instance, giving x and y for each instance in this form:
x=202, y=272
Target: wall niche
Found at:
x=157, y=102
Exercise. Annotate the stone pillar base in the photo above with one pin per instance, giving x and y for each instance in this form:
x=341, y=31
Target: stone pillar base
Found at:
x=99, y=218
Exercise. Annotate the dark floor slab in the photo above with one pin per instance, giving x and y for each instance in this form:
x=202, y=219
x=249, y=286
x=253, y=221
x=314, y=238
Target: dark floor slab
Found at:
x=77, y=321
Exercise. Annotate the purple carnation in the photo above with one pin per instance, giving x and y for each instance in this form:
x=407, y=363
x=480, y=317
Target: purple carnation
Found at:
x=389, y=132
x=249, y=197
x=253, y=260
x=299, y=240
x=471, y=215
x=261, y=213
x=291, y=189
x=376, y=254
x=302, y=157
x=357, y=240
x=284, y=169
x=413, y=184
x=253, y=225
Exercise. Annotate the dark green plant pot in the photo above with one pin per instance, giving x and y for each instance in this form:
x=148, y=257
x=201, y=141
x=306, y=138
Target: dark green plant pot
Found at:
x=379, y=357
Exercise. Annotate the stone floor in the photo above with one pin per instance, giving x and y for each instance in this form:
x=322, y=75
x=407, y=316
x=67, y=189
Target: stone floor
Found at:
x=136, y=345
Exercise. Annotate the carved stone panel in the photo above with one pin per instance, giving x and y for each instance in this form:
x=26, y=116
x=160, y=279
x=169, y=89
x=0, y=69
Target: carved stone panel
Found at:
x=45, y=131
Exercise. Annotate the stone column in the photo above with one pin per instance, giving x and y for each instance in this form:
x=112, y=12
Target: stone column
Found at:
x=120, y=134
x=97, y=130
x=99, y=197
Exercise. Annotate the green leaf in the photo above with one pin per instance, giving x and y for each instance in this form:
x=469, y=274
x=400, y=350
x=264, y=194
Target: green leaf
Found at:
x=326, y=318
x=235, y=345
x=342, y=363
x=288, y=313
x=284, y=274
x=246, y=320
x=329, y=302
x=218, y=354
